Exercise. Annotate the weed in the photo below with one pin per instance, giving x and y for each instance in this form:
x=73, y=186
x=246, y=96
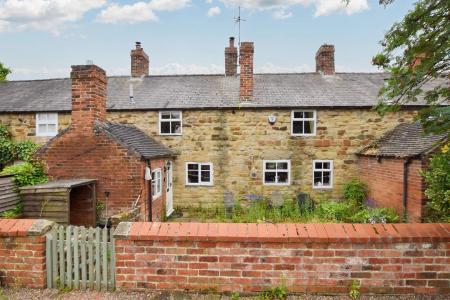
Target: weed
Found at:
x=276, y=293
x=235, y=296
x=354, y=288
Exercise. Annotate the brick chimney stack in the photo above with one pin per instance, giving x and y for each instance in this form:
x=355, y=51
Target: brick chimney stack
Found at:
x=246, y=72
x=231, y=55
x=139, y=61
x=89, y=84
x=325, y=59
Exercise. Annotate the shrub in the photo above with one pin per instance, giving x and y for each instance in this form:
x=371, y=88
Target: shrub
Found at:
x=26, y=173
x=375, y=215
x=438, y=189
x=355, y=190
x=24, y=150
x=11, y=151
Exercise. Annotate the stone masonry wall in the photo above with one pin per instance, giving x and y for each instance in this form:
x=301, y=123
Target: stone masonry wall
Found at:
x=22, y=253
x=23, y=125
x=312, y=258
x=237, y=141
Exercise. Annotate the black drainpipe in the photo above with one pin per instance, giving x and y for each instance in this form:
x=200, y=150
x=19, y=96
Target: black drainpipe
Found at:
x=149, y=195
x=406, y=163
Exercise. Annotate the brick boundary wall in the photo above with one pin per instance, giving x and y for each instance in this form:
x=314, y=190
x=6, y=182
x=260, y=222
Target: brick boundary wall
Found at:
x=22, y=252
x=312, y=258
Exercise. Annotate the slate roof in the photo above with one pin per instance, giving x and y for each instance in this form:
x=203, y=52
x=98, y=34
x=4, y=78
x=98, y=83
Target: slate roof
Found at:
x=134, y=139
x=202, y=91
x=405, y=140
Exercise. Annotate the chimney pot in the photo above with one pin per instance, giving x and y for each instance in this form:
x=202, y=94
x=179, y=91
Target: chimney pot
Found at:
x=231, y=56
x=139, y=61
x=246, y=73
x=325, y=60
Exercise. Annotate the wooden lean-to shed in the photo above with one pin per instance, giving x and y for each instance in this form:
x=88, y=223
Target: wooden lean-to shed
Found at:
x=67, y=202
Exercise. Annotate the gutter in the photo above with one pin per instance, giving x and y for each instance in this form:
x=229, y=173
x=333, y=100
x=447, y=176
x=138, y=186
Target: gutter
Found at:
x=149, y=195
x=406, y=163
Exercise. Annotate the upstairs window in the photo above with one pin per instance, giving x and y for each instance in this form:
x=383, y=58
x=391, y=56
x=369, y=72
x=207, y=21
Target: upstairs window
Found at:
x=303, y=123
x=277, y=172
x=156, y=183
x=46, y=124
x=322, y=174
x=199, y=173
x=170, y=122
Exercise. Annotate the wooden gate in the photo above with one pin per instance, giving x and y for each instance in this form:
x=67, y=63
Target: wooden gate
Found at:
x=80, y=258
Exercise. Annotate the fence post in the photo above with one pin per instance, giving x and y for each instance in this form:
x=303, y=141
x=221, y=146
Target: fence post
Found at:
x=48, y=258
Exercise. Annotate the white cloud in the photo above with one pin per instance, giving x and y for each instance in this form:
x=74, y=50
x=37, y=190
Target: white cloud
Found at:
x=281, y=14
x=213, y=11
x=44, y=15
x=327, y=7
x=139, y=11
x=39, y=73
x=281, y=8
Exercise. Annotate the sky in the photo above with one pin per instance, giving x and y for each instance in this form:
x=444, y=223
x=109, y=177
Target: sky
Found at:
x=42, y=38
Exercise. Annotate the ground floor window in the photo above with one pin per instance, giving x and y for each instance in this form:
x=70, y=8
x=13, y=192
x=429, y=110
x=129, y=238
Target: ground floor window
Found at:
x=156, y=183
x=322, y=174
x=277, y=172
x=199, y=173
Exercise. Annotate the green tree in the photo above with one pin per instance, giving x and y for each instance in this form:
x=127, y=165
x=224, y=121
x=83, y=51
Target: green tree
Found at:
x=416, y=54
x=4, y=72
x=438, y=186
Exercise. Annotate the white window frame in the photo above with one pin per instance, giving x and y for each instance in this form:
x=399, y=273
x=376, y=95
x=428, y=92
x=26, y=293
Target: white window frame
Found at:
x=170, y=120
x=276, y=171
x=39, y=122
x=158, y=184
x=304, y=119
x=330, y=186
x=201, y=183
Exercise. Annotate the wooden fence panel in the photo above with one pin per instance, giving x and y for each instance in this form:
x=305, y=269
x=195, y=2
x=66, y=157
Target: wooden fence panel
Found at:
x=9, y=196
x=80, y=258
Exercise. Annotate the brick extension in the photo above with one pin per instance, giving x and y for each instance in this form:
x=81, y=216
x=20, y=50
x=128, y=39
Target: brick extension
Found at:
x=388, y=172
x=22, y=253
x=314, y=258
x=83, y=151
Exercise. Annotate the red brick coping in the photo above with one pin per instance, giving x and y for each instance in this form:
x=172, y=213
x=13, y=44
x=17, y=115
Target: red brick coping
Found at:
x=282, y=233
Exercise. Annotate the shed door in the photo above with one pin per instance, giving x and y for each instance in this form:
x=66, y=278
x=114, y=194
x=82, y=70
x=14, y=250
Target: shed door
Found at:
x=82, y=206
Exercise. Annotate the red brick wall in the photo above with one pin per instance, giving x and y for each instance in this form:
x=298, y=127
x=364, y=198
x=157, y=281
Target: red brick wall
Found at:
x=314, y=258
x=22, y=253
x=158, y=204
x=74, y=155
x=384, y=180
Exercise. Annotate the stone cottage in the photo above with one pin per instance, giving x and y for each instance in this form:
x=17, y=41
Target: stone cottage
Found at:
x=391, y=168
x=249, y=134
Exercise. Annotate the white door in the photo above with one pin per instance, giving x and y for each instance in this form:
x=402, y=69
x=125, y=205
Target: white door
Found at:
x=169, y=187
